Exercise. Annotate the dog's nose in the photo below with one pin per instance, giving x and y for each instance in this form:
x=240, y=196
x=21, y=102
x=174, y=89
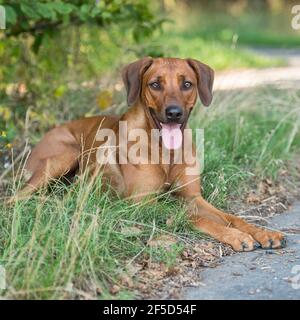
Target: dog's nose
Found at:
x=174, y=113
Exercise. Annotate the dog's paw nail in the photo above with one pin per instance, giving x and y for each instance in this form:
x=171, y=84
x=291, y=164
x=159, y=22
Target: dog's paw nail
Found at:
x=271, y=243
x=256, y=245
x=245, y=245
x=283, y=243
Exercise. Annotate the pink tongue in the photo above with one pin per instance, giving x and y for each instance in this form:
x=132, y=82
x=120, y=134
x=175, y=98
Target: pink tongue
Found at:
x=171, y=135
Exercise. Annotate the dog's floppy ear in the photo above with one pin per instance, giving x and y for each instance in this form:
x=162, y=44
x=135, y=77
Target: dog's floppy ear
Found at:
x=205, y=80
x=132, y=77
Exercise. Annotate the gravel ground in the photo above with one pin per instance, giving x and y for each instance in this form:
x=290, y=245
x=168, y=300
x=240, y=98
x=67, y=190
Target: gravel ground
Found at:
x=261, y=274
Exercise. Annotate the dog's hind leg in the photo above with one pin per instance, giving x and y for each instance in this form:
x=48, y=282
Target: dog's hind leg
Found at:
x=54, y=156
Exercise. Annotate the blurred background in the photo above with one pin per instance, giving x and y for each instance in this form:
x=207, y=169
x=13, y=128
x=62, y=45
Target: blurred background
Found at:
x=62, y=59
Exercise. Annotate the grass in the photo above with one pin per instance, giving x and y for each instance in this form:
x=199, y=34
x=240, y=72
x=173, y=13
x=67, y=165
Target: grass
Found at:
x=76, y=241
x=84, y=238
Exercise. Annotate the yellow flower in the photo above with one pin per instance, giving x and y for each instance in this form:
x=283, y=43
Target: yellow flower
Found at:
x=9, y=146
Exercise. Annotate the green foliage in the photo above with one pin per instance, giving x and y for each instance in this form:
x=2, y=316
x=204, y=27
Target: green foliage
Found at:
x=44, y=17
x=48, y=44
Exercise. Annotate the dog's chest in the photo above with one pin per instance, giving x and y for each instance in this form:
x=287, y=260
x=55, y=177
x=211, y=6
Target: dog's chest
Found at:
x=149, y=178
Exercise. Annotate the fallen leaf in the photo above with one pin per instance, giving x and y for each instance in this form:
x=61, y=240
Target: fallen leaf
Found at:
x=114, y=289
x=253, y=198
x=170, y=221
x=164, y=241
x=126, y=280
x=133, y=268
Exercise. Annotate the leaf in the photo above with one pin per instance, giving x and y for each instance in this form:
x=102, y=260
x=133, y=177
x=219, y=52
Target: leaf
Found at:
x=114, y=289
x=95, y=12
x=84, y=12
x=170, y=221
x=63, y=8
x=164, y=241
x=253, y=198
x=106, y=15
x=11, y=16
x=29, y=11
x=45, y=10
x=126, y=280
x=60, y=91
x=51, y=10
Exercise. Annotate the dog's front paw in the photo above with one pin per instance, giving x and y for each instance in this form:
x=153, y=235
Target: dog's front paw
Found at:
x=270, y=239
x=240, y=241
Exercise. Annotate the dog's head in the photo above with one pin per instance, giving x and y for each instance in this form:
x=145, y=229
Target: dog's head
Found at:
x=167, y=88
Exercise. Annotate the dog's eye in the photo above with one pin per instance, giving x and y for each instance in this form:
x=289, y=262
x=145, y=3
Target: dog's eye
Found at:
x=187, y=84
x=155, y=85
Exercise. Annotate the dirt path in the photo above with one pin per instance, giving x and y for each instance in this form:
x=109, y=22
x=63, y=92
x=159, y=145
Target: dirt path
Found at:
x=261, y=274
x=288, y=76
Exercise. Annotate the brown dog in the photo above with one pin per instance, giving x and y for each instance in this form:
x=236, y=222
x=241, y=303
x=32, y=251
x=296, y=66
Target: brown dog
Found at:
x=162, y=93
